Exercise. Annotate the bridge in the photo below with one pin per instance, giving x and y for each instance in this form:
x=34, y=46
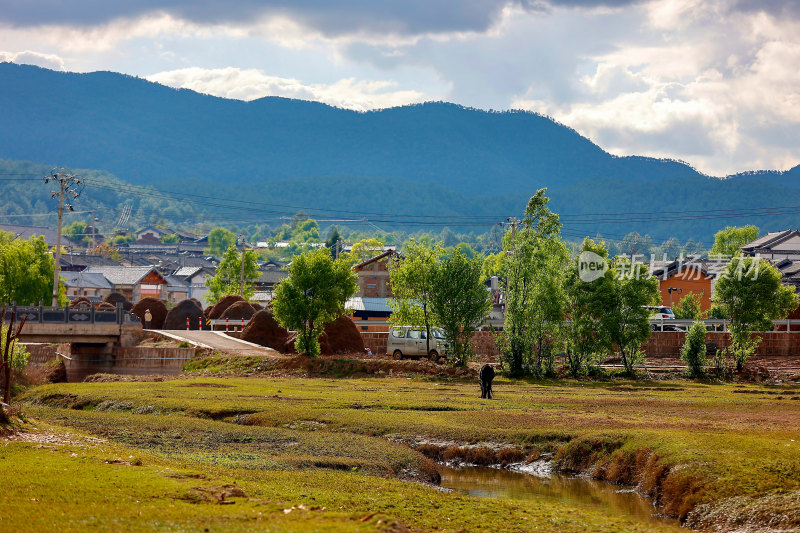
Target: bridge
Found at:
x=81, y=325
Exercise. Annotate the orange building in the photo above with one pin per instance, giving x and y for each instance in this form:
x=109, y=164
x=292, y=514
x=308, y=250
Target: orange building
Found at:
x=682, y=277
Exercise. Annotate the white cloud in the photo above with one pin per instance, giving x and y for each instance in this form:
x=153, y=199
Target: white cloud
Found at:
x=30, y=57
x=249, y=84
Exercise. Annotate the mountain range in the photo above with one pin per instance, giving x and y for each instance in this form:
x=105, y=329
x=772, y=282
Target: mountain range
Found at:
x=436, y=160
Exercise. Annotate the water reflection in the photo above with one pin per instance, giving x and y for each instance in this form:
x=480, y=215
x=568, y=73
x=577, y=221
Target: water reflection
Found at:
x=500, y=483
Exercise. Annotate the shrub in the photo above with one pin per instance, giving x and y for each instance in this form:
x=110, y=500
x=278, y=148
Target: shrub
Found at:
x=693, y=352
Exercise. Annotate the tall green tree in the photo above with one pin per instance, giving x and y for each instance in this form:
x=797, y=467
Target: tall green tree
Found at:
x=625, y=322
x=534, y=266
x=583, y=340
x=459, y=301
x=412, y=278
x=219, y=241
x=728, y=241
x=26, y=270
x=750, y=293
x=227, y=278
x=313, y=295
x=688, y=308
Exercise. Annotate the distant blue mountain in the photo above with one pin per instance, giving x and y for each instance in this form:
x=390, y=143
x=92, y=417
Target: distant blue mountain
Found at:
x=430, y=158
x=146, y=133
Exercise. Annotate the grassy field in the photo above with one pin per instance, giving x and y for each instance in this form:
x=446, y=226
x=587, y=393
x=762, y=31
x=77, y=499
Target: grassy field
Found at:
x=342, y=454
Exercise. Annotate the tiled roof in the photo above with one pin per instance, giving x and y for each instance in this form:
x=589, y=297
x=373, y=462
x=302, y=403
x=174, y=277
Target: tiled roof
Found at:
x=378, y=257
x=121, y=275
x=25, y=232
x=360, y=303
x=187, y=271
x=87, y=260
x=86, y=280
x=176, y=282
x=767, y=239
x=271, y=277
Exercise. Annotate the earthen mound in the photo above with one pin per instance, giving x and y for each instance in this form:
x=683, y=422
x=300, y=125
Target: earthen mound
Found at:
x=157, y=309
x=115, y=297
x=216, y=310
x=341, y=336
x=81, y=301
x=238, y=311
x=263, y=329
x=176, y=318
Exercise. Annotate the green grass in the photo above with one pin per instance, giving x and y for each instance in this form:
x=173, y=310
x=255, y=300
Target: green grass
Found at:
x=335, y=443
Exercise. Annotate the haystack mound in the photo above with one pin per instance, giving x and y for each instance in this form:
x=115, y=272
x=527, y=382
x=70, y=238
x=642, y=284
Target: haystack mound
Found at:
x=256, y=306
x=176, y=318
x=106, y=305
x=116, y=297
x=238, y=311
x=216, y=310
x=263, y=329
x=157, y=309
x=81, y=301
x=341, y=336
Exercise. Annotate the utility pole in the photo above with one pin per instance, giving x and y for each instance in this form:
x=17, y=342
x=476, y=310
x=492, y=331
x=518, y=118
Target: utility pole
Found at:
x=67, y=183
x=241, y=281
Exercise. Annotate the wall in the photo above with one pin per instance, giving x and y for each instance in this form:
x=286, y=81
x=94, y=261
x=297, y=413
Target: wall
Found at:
x=688, y=281
x=773, y=343
x=43, y=353
x=482, y=342
x=87, y=359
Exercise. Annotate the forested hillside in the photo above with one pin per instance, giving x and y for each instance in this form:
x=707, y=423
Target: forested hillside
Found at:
x=205, y=161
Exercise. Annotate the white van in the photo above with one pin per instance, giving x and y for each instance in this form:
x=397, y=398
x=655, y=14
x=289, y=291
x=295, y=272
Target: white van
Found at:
x=405, y=341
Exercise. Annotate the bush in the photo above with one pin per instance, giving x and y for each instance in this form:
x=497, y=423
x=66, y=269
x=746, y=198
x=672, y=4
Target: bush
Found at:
x=693, y=352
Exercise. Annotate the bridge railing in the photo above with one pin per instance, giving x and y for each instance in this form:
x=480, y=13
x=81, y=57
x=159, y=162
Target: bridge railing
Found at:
x=39, y=314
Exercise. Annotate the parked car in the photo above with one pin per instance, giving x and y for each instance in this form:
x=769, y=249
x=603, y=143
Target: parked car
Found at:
x=660, y=311
x=406, y=341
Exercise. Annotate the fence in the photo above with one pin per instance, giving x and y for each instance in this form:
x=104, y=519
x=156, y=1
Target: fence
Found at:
x=773, y=343
x=72, y=315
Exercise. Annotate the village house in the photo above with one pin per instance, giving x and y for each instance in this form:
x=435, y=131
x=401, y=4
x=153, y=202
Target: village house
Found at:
x=134, y=283
x=373, y=276
x=682, y=277
x=93, y=286
x=195, y=279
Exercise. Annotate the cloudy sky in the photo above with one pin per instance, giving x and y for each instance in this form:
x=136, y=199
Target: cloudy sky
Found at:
x=715, y=83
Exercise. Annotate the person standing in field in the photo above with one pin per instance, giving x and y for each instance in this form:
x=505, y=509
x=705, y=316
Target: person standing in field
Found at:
x=148, y=317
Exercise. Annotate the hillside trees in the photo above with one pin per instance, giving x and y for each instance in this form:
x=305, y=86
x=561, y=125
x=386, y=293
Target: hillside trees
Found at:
x=751, y=295
x=227, y=278
x=313, y=295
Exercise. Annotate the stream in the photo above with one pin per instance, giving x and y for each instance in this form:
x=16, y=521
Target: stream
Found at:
x=485, y=482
